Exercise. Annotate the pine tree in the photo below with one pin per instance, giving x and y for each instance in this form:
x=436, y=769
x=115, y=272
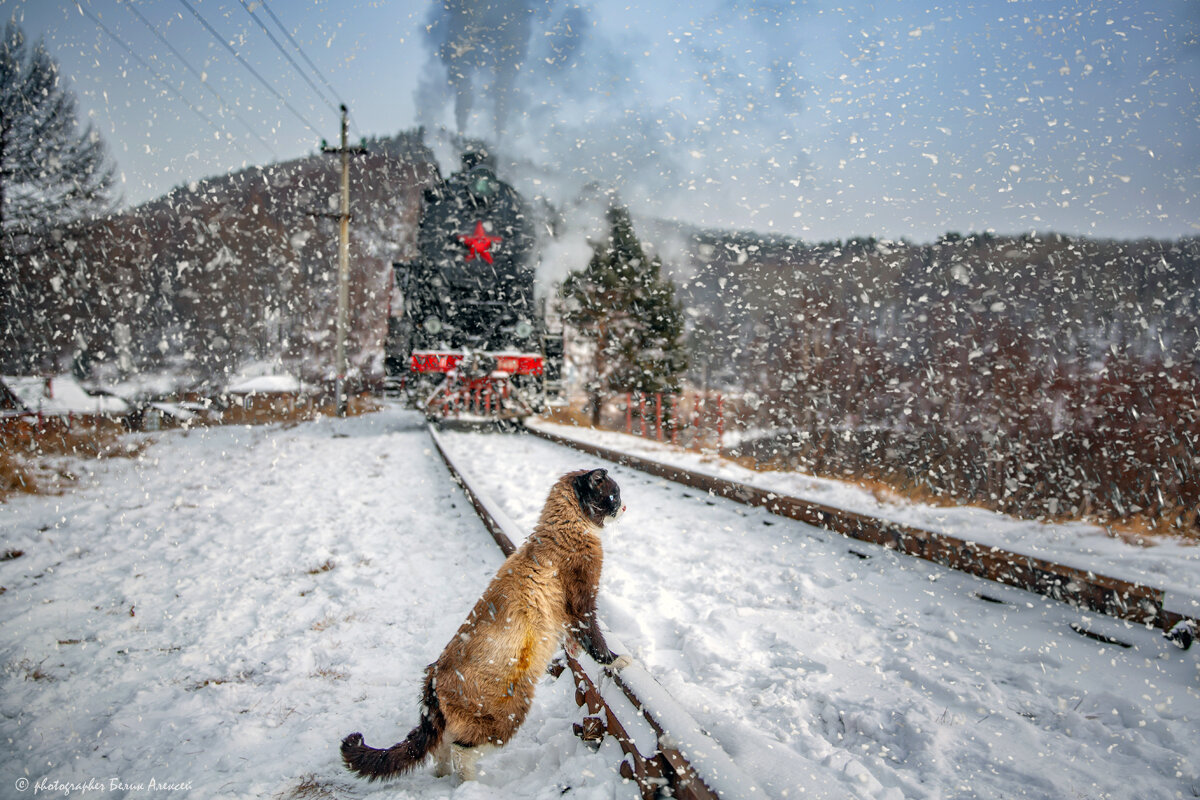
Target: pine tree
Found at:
x=53, y=177
x=623, y=304
x=51, y=173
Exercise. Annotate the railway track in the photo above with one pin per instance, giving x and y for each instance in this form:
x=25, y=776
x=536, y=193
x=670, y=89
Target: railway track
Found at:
x=666, y=750
x=1114, y=597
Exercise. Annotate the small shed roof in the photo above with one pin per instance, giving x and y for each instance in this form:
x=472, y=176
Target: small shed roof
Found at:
x=266, y=384
x=61, y=395
x=177, y=410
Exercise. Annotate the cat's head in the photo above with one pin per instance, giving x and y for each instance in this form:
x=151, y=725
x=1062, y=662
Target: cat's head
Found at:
x=599, y=497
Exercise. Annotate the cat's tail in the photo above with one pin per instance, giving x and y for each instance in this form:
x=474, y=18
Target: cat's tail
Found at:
x=375, y=764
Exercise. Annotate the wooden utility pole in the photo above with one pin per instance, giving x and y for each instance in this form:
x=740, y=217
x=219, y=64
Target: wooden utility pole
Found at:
x=343, y=307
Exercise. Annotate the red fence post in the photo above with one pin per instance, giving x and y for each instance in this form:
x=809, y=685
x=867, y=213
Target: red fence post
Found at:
x=642, y=412
x=629, y=412
x=674, y=419
x=658, y=416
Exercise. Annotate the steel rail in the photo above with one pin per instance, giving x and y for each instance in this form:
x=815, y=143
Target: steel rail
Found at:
x=685, y=760
x=1115, y=597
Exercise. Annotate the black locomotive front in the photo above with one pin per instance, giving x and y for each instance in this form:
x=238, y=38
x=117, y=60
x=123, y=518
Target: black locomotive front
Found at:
x=470, y=333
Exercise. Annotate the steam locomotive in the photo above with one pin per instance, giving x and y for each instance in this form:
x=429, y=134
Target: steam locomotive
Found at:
x=469, y=337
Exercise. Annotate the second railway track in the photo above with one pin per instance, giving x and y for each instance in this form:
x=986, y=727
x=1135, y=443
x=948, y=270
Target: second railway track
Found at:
x=1114, y=597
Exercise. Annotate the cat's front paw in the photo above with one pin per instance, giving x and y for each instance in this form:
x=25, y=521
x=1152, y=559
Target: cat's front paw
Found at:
x=571, y=647
x=620, y=662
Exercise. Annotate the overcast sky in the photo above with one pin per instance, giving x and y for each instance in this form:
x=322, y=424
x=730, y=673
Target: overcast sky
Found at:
x=892, y=119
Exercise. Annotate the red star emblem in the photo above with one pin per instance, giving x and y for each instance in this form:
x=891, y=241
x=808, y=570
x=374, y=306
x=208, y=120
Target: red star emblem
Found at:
x=479, y=243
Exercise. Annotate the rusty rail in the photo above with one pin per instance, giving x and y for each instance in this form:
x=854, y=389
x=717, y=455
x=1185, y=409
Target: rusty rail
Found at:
x=668, y=767
x=1112, y=596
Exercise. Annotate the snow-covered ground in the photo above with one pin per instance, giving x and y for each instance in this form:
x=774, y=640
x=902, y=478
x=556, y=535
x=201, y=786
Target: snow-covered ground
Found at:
x=833, y=668
x=1165, y=563
x=219, y=613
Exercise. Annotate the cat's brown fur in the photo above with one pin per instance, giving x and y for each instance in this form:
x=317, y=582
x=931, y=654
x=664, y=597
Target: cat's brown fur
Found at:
x=479, y=690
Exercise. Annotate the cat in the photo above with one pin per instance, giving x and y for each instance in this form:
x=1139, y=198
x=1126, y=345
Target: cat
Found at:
x=477, y=693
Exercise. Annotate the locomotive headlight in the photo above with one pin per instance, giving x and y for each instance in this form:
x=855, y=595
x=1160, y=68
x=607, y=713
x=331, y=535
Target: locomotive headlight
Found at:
x=433, y=325
x=523, y=329
x=482, y=182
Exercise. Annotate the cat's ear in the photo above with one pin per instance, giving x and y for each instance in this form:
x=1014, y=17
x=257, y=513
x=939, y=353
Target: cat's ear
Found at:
x=596, y=478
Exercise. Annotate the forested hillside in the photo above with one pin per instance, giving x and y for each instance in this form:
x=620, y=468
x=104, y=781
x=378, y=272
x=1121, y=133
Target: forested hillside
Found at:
x=1043, y=375
x=226, y=270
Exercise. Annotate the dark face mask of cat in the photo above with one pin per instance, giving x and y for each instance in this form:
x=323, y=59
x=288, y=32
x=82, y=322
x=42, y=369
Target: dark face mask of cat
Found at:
x=599, y=497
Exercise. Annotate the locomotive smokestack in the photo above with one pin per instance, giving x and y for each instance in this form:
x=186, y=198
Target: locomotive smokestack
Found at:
x=480, y=48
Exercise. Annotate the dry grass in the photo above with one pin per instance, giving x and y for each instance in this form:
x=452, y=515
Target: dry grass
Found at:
x=1143, y=531
x=26, y=450
x=568, y=415
x=27, y=453
x=31, y=671
x=361, y=404
x=88, y=440
x=292, y=411
x=268, y=413
x=329, y=621
x=310, y=787
x=15, y=475
x=241, y=677
x=326, y=566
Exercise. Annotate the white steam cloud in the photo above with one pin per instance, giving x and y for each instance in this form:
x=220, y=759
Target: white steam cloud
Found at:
x=667, y=119
x=826, y=121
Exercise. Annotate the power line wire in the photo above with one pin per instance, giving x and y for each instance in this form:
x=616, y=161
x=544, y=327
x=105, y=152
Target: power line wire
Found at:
x=157, y=77
x=249, y=68
x=303, y=55
x=316, y=71
x=195, y=72
x=287, y=55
